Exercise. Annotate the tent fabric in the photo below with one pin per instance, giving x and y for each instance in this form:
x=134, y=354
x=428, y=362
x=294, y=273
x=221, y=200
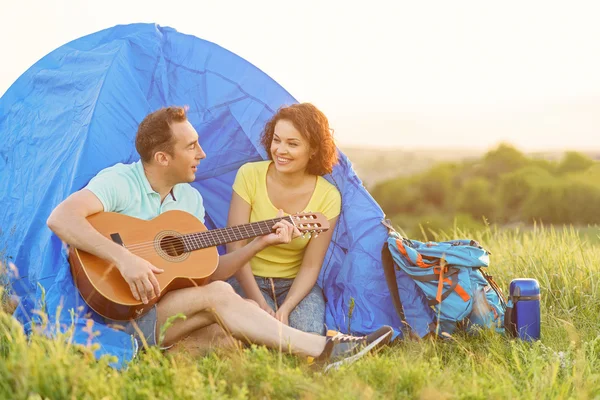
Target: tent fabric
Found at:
x=76, y=111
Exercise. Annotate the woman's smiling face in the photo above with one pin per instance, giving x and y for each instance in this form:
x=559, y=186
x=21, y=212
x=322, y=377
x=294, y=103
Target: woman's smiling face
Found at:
x=289, y=149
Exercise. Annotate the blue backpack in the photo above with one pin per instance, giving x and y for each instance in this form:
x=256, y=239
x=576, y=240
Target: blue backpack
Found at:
x=453, y=279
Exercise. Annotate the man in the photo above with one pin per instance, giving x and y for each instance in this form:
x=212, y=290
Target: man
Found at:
x=170, y=153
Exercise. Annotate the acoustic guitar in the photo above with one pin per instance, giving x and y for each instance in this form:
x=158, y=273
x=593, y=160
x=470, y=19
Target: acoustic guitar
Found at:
x=176, y=242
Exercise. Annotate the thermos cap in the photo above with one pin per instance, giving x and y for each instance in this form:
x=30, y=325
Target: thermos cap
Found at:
x=524, y=289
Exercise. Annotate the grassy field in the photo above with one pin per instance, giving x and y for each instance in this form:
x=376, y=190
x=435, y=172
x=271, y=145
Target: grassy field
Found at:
x=564, y=364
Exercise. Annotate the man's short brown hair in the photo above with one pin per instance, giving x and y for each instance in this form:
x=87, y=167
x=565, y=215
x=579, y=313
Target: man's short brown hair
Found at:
x=314, y=127
x=154, y=133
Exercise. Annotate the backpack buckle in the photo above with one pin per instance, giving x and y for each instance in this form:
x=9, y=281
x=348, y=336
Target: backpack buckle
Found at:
x=388, y=224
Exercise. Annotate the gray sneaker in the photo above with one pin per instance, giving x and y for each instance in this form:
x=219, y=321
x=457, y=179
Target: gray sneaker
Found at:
x=341, y=349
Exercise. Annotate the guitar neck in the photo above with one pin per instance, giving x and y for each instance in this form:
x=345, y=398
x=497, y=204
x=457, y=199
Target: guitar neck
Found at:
x=216, y=237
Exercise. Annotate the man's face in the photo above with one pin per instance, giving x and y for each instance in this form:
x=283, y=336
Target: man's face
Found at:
x=187, y=153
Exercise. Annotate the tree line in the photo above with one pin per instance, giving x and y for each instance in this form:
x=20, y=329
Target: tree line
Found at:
x=504, y=186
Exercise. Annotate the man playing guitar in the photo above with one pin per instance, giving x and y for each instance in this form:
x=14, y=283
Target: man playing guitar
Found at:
x=170, y=153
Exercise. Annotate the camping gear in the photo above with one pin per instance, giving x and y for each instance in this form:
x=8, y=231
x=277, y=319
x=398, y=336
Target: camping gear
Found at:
x=523, y=316
x=451, y=276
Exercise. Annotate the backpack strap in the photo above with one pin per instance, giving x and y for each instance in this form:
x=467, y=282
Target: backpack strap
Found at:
x=390, y=272
x=451, y=277
x=494, y=286
x=390, y=277
x=509, y=322
x=435, y=277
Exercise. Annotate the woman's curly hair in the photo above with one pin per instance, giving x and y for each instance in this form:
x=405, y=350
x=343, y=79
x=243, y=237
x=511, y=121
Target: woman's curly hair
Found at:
x=313, y=126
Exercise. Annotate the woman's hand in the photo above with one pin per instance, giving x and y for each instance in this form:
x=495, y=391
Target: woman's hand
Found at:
x=283, y=315
x=265, y=306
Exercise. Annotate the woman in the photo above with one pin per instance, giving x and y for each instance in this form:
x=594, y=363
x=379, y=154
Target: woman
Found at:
x=282, y=279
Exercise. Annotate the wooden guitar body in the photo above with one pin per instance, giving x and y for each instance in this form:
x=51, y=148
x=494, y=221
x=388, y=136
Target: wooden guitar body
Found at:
x=101, y=284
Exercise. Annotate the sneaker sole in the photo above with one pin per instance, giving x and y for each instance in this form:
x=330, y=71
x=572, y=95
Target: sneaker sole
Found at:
x=358, y=355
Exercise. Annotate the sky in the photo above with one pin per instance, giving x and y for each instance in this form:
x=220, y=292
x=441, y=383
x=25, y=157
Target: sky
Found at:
x=407, y=74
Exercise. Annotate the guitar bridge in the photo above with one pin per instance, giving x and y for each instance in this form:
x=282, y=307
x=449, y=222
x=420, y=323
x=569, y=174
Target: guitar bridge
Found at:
x=117, y=239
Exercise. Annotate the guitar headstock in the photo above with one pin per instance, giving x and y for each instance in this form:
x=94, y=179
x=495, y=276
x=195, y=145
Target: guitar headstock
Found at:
x=310, y=223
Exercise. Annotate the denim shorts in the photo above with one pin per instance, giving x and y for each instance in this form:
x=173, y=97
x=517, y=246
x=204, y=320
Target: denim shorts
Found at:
x=146, y=324
x=307, y=316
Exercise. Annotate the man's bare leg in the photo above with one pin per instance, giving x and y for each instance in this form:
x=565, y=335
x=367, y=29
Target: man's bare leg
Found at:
x=218, y=303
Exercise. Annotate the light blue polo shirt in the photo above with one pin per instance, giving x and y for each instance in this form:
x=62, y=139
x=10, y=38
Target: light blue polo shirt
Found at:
x=124, y=188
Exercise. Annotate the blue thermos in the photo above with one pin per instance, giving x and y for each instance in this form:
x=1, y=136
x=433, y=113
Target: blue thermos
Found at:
x=523, y=317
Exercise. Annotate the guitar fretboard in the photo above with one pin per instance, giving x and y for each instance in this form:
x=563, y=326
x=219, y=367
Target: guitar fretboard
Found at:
x=216, y=237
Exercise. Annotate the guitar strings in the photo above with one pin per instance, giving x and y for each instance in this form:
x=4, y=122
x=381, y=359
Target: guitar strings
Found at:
x=205, y=239
x=211, y=234
x=185, y=248
x=211, y=238
x=214, y=233
x=179, y=243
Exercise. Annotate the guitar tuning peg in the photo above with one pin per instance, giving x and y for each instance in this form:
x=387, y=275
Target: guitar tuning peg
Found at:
x=316, y=235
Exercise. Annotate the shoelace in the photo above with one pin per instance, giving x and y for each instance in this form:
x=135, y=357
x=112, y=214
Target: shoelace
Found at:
x=341, y=337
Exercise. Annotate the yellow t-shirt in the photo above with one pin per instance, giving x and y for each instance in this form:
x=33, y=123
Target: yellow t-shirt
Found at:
x=284, y=260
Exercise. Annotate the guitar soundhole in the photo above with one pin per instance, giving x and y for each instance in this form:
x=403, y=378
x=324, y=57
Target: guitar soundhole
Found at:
x=172, y=245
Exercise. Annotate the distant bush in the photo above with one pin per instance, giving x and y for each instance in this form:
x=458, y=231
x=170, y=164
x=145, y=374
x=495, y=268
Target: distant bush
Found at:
x=574, y=162
x=564, y=202
x=504, y=186
x=474, y=199
x=436, y=185
x=515, y=187
x=502, y=160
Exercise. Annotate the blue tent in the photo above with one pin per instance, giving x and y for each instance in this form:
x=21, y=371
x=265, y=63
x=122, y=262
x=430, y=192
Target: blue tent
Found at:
x=76, y=112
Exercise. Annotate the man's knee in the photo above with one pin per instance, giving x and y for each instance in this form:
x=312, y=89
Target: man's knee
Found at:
x=221, y=294
x=220, y=288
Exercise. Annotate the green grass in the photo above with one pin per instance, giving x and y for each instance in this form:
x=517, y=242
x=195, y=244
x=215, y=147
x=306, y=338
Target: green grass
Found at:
x=564, y=364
